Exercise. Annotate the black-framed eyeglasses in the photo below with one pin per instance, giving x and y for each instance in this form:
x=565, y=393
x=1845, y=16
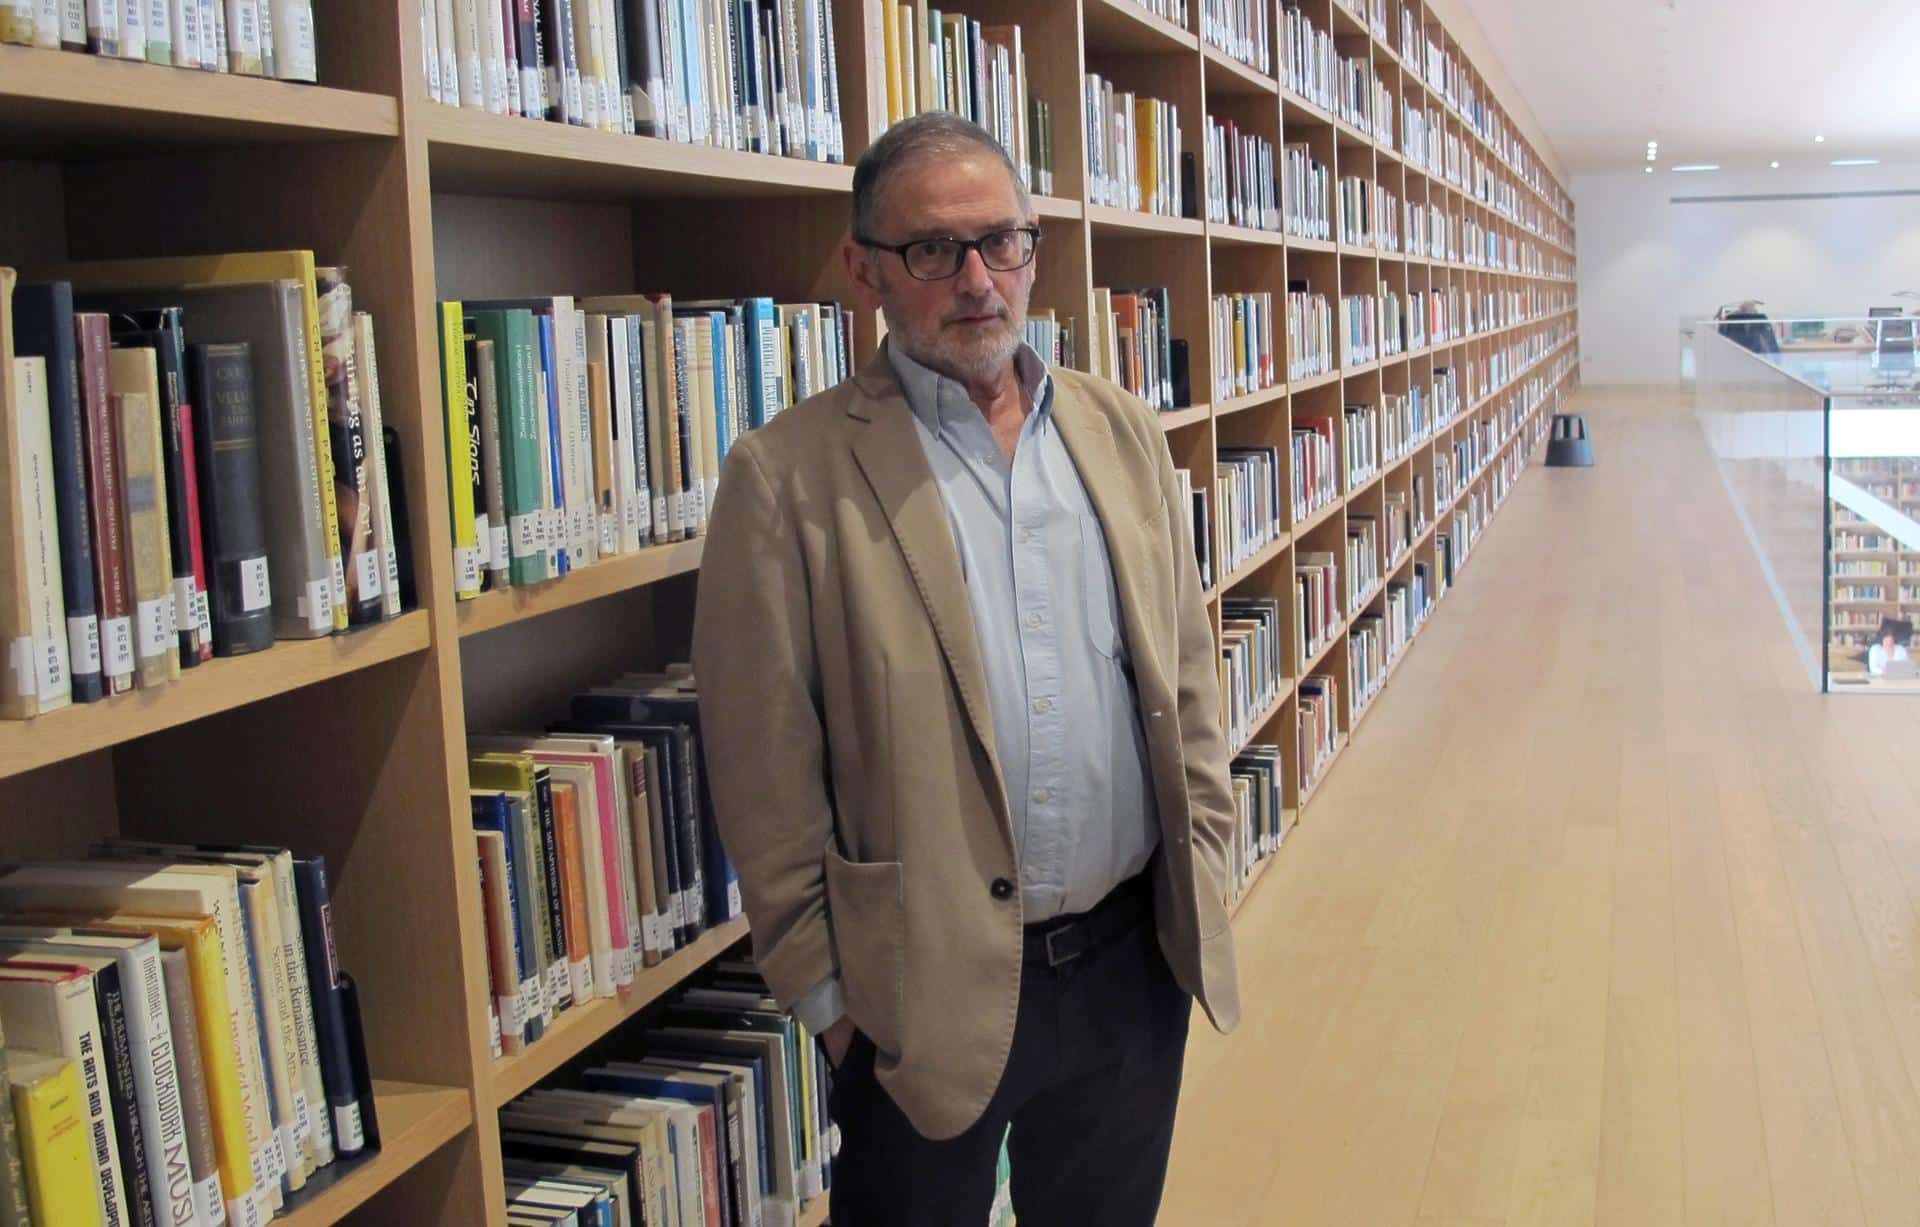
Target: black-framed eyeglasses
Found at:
x=937, y=259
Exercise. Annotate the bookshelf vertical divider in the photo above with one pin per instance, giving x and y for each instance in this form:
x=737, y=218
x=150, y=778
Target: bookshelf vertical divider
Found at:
x=356, y=748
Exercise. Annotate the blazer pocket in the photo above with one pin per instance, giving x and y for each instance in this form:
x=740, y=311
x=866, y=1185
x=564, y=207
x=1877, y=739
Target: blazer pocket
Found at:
x=867, y=904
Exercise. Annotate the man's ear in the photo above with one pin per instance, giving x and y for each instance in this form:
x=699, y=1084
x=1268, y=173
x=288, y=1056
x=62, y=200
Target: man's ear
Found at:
x=860, y=274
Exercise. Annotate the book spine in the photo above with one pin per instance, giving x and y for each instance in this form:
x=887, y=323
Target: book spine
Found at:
x=112, y=579
x=445, y=50
x=347, y=437
x=156, y=1084
x=196, y=1111
x=295, y=51
x=454, y=386
x=559, y=984
x=526, y=46
x=190, y=612
x=290, y=467
x=53, y=1147
x=129, y=1129
x=150, y=561
x=330, y=1024
x=243, y=38
x=40, y=661
x=367, y=365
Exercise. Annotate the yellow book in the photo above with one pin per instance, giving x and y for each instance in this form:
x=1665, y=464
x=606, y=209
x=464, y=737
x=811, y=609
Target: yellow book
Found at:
x=134, y=382
x=52, y=1128
x=909, y=73
x=1146, y=126
x=890, y=32
x=235, y=268
x=453, y=384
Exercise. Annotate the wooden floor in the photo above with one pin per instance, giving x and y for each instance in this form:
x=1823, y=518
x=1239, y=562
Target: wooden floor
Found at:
x=1605, y=917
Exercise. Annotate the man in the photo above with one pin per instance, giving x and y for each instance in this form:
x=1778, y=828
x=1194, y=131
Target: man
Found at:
x=950, y=639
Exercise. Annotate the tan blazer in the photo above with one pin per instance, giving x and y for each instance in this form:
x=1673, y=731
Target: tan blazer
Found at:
x=850, y=743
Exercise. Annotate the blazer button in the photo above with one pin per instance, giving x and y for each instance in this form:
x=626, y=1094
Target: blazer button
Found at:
x=1002, y=889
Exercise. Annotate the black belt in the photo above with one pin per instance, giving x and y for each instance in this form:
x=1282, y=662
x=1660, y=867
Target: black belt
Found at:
x=1052, y=943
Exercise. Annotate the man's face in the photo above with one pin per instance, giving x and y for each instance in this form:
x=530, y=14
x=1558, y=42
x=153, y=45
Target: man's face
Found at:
x=968, y=325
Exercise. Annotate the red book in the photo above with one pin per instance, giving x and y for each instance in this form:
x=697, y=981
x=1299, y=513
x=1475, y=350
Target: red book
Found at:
x=112, y=578
x=202, y=617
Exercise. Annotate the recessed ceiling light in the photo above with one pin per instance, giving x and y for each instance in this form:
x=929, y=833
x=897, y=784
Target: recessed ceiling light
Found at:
x=1700, y=166
x=1773, y=165
x=1855, y=162
x=1649, y=170
x=1819, y=140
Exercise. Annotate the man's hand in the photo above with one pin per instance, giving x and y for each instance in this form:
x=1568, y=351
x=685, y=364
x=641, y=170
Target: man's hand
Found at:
x=838, y=1038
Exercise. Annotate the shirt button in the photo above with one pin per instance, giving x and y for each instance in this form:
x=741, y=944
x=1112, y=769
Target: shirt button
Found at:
x=1043, y=706
x=1034, y=619
x=1001, y=889
x=1041, y=796
x=1026, y=535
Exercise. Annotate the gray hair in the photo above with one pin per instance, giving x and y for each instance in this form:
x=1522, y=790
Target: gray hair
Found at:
x=933, y=134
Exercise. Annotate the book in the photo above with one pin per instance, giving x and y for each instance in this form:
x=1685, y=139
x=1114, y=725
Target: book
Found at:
x=37, y=665
x=196, y=1109
x=54, y=1010
x=48, y=1105
x=352, y=465
x=239, y=574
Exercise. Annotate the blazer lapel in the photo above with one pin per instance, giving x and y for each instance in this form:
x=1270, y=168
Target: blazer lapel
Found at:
x=1089, y=439
x=888, y=450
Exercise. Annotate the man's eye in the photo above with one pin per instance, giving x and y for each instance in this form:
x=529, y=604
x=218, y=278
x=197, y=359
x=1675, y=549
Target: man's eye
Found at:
x=932, y=249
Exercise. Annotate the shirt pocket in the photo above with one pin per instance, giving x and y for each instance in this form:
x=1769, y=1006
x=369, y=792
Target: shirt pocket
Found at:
x=1098, y=594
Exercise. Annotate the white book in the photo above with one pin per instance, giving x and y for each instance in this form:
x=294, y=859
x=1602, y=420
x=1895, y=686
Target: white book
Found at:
x=46, y=24
x=493, y=56
x=186, y=33
x=366, y=364
x=446, y=23
x=39, y=659
x=544, y=536
x=243, y=37
x=103, y=24
x=213, y=35
x=133, y=29
x=470, y=48
x=430, y=47
x=295, y=54
x=56, y=1013
x=586, y=50
x=150, y=1036
x=268, y=63
x=583, y=525
x=626, y=487
x=73, y=22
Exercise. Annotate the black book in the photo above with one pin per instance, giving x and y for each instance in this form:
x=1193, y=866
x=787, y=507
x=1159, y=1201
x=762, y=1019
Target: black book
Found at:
x=357, y=1064
x=43, y=325
x=159, y=329
x=402, y=535
x=117, y=1057
x=226, y=422
x=329, y=1006
x=622, y=69
x=647, y=89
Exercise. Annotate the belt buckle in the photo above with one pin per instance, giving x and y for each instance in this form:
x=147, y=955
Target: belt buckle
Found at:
x=1055, y=958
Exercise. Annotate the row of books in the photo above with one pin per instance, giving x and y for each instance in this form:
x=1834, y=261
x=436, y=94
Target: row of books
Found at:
x=1199, y=515
x=1259, y=810
x=715, y=1116
x=1367, y=655
x=1396, y=526
x=1408, y=604
x=1133, y=345
x=1359, y=96
x=1363, y=560
x=1315, y=471
x=1241, y=28
x=1357, y=210
x=598, y=853
x=1247, y=499
x=1359, y=329
x=1362, y=440
x=1242, y=178
x=945, y=61
x=1393, y=322
x=194, y=445
x=1253, y=659
x=1319, y=728
x=1371, y=13
x=1308, y=58
x=1309, y=332
x=1317, y=595
x=586, y=429
x=1404, y=423
x=760, y=77
x=1051, y=337
x=1245, y=355
x=1305, y=194
x=1133, y=150
x=182, y=1046
x=1387, y=219
x=253, y=38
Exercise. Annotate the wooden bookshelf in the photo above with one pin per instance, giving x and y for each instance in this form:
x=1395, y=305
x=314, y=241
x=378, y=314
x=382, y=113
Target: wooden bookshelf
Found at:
x=355, y=745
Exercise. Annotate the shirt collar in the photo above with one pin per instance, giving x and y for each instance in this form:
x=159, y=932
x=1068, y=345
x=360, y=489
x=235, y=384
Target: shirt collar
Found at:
x=939, y=401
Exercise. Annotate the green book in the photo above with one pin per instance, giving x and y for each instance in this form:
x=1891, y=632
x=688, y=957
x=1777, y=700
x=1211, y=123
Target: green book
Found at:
x=516, y=356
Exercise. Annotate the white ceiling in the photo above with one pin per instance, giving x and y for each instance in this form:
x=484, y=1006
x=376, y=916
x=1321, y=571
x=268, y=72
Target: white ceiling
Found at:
x=1738, y=82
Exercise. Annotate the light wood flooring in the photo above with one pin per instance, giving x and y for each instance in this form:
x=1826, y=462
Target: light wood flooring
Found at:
x=1605, y=917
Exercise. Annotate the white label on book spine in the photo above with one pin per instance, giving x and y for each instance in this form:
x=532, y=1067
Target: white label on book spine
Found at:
x=346, y=1127
x=493, y=1029
x=466, y=568
x=513, y=1018
x=581, y=976
x=256, y=588
x=650, y=932
x=660, y=515
x=338, y=573
x=244, y=1211
x=366, y=569
x=524, y=537
x=623, y=964
x=203, y=614
x=156, y=635
x=208, y=1203
x=282, y=1145
x=734, y=904
x=609, y=531
x=183, y=589
x=117, y=634
x=263, y=1173
x=317, y=606
x=529, y=1002
x=20, y=662
x=50, y=669
x=497, y=545
x=558, y=985
x=171, y=611
x=83, y=643
x=302, y=1118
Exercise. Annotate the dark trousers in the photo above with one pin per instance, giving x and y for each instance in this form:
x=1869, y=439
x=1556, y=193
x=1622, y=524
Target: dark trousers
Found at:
x=1090, y=1090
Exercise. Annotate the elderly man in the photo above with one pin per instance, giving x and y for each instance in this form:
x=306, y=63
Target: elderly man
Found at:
x=959, y=690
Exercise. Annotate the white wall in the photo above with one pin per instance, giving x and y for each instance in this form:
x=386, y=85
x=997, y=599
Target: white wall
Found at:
x=1645, y=262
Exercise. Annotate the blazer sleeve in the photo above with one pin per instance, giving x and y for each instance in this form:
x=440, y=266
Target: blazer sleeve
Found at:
x=755, y=669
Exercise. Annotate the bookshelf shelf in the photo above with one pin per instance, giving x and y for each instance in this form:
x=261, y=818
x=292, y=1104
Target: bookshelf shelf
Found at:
x=1315, y=381
x=1243, y=236
x=1319, y=655
x=502, y=155
x=1299, y=111
x=1317, y=517
x=1227, y=76
x=573, y=1031
x=217, y=686
x=814, y=1213
x=1378, y=477
x=1312, y=790
x=1124, y=26
x=1109, y=220
x=414, y=1120
x=1268, y=553
x=1257, y=874
x=1045, y=206
x=1252, y=400
x=64, y=103
x=1179, y=419
x=492, y=610
x=1265, y=717
x=1296, y=243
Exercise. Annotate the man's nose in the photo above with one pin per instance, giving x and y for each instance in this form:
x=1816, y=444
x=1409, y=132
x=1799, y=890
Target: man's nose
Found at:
x=973, y=276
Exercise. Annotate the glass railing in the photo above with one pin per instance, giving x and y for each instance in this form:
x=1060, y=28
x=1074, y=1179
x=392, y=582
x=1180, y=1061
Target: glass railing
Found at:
x=1819, y=446
x=1838, y=340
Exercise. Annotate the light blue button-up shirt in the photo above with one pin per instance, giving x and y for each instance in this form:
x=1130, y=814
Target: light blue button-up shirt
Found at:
x=1046, y=612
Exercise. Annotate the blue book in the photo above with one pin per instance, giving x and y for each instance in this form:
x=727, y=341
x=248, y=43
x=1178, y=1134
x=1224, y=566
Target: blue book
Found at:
x=761, y=337
x=493, y=811
x=558, y=562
